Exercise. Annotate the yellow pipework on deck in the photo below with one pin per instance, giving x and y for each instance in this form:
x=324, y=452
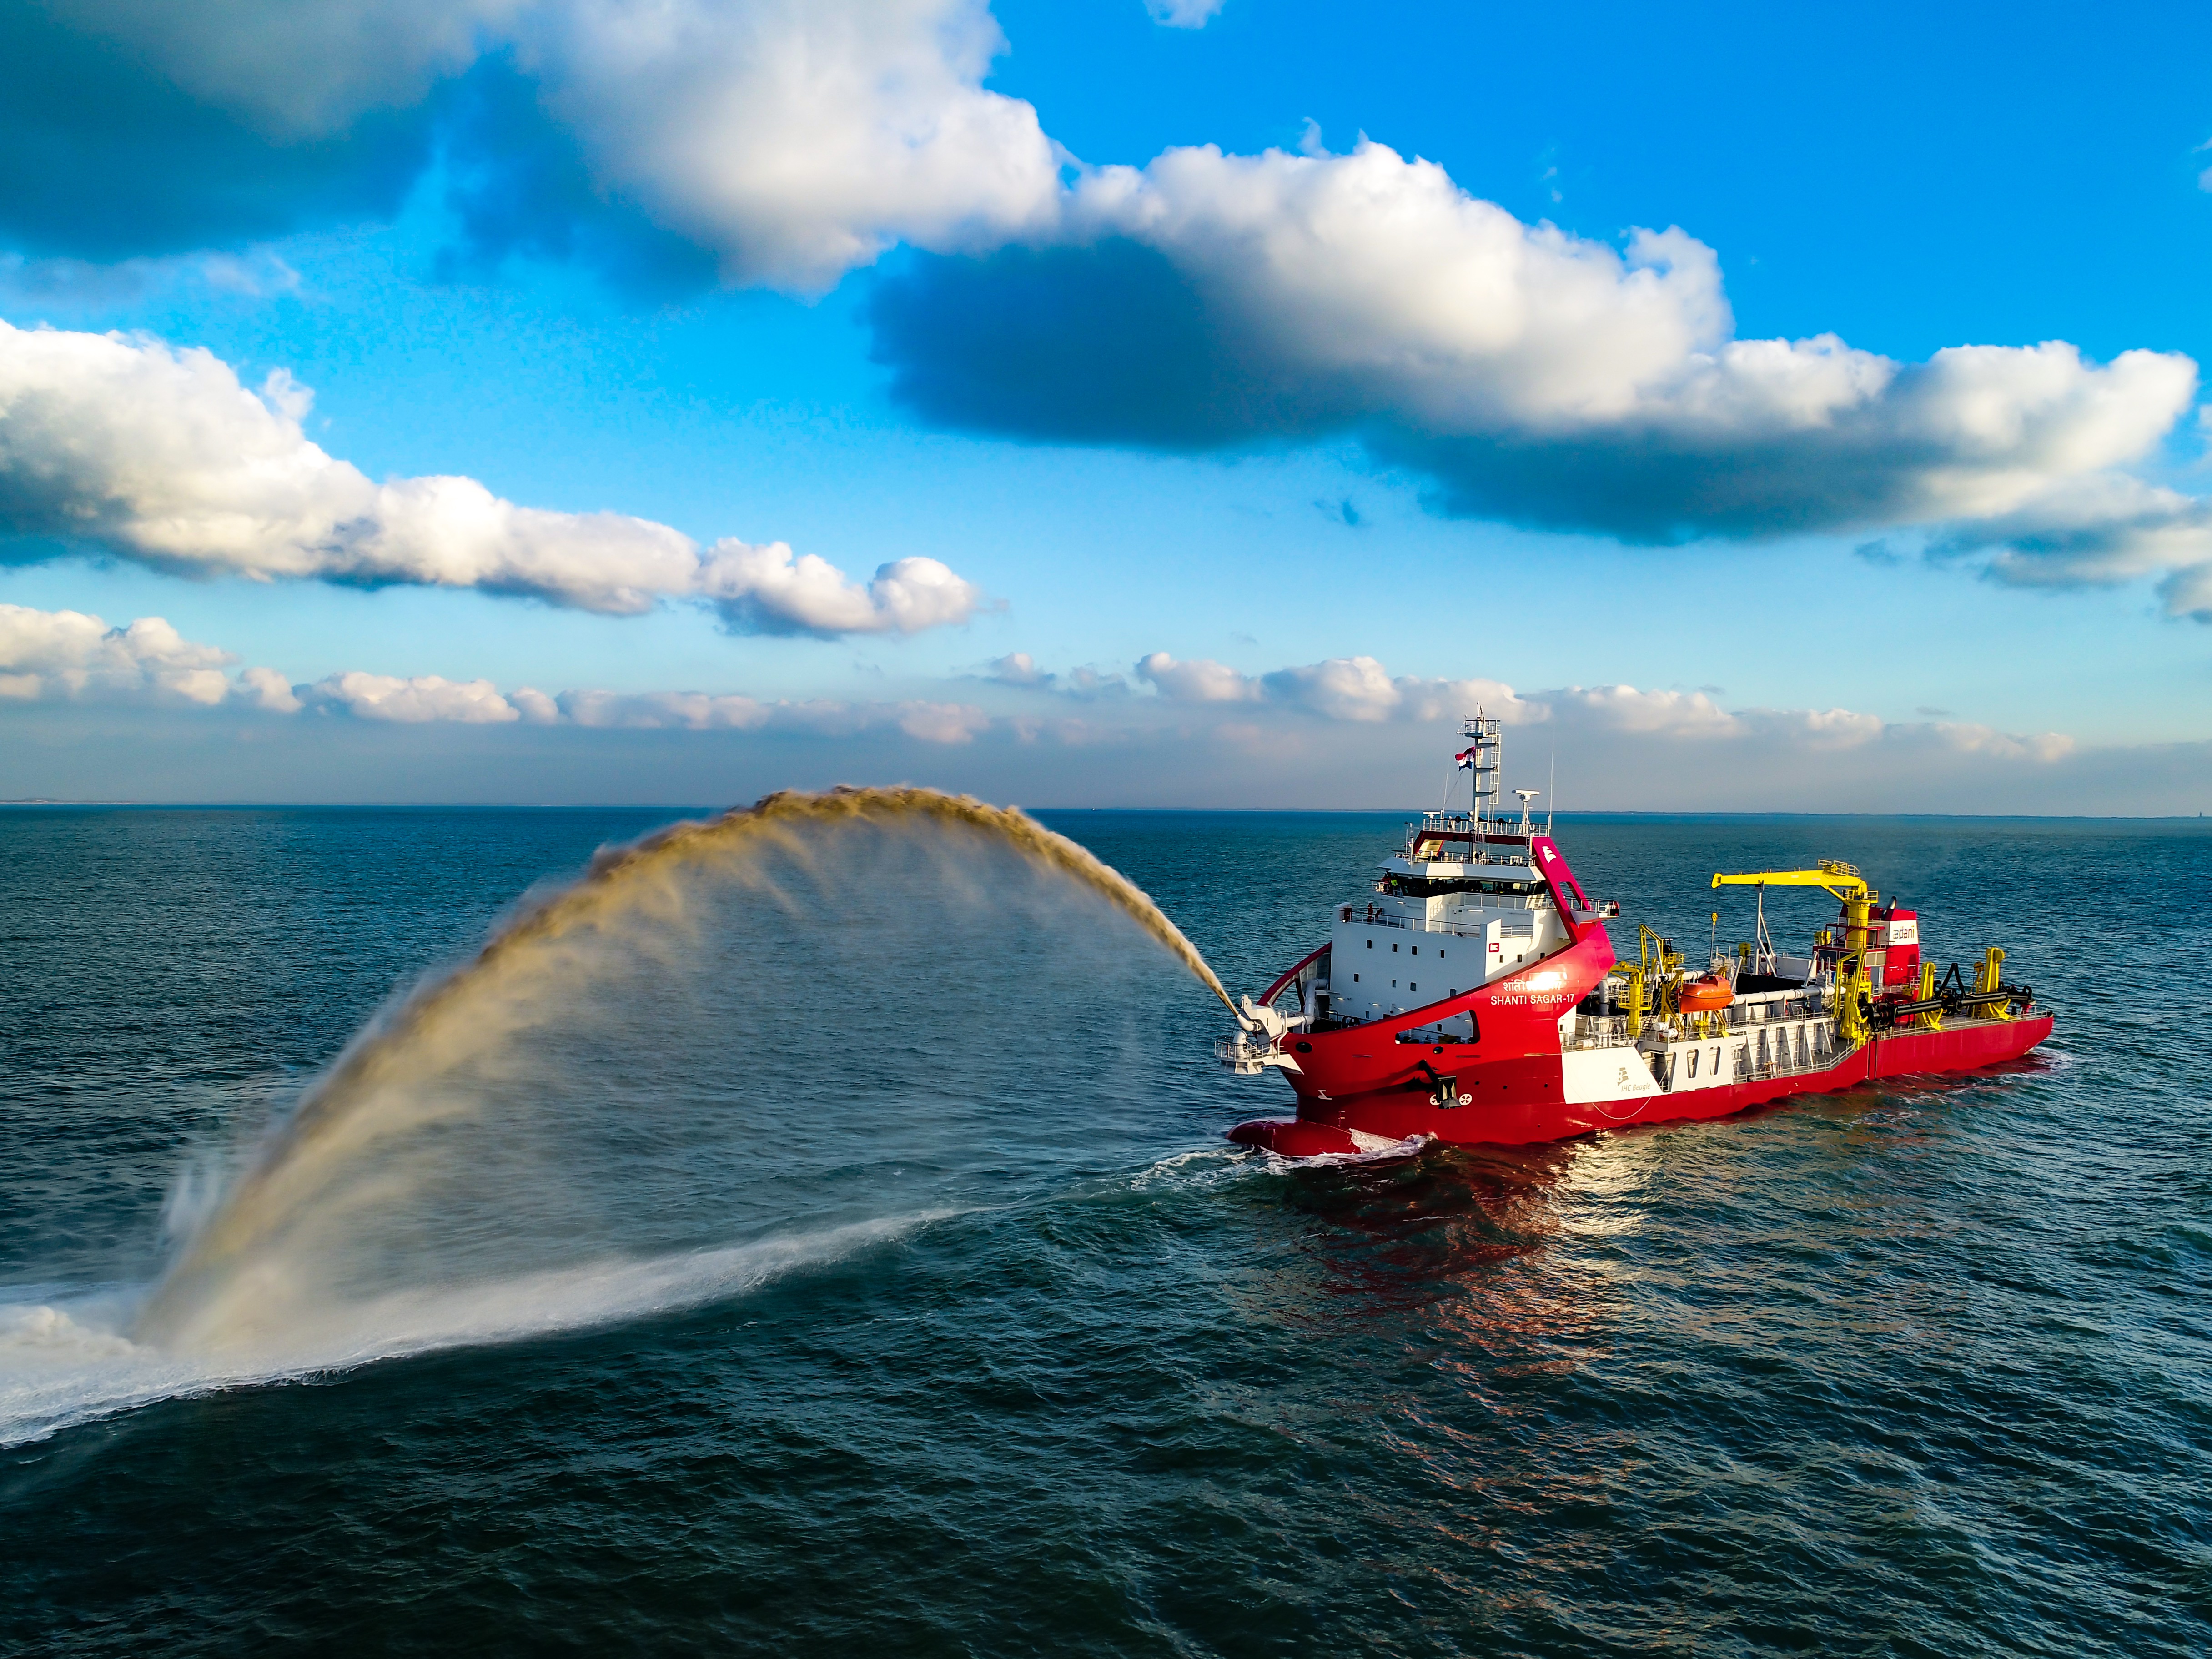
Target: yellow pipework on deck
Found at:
x=1634, y=977
x=1662, y=974
x=1851, y=1019
x=1987, y=978
x=1933, y=1019
x=1651, y=984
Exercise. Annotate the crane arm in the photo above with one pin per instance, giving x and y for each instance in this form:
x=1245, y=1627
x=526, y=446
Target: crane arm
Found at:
x=1840, y=879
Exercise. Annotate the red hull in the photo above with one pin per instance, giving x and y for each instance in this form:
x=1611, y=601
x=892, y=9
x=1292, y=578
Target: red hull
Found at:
x=1365, y=1086
x=1520, y=1102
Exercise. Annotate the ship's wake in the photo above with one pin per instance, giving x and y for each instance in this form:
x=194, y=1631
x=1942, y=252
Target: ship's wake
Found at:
x=731, y=1049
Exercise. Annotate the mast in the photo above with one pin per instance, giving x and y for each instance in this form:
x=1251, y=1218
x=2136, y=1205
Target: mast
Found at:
x=1487, y=740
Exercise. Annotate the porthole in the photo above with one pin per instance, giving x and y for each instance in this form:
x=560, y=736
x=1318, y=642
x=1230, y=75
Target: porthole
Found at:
x=1413, y=985
x=1371, y=943
x=1305, y=1048
x=1393, y=949
x=1355, y=979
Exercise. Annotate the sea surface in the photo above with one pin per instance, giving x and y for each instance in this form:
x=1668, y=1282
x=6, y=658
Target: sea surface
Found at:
x=863, y=1273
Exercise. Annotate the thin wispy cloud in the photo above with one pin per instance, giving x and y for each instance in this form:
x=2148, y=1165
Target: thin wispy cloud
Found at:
x=1184, y=14
x=68, y=656
x=1196, y=731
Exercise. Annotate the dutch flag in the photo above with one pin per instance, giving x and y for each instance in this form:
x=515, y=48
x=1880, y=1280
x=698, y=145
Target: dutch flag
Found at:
x=1465, y=759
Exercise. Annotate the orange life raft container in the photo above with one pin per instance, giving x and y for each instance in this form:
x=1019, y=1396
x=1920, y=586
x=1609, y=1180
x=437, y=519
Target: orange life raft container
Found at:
x=1702, y=996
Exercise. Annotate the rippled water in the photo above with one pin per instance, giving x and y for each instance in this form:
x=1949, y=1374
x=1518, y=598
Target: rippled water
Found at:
x=1909, y=1370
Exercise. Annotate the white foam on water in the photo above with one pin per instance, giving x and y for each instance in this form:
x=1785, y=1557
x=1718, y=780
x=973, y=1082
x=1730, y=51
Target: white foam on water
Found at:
x=66, y=1359
x=1201, y=1167
x=1384, y=1152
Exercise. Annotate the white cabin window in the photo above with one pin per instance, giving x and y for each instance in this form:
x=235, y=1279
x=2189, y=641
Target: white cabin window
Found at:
x=1693, y=1062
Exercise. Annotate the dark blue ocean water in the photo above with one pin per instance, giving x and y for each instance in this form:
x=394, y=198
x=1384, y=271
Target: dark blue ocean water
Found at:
x=1910, y=1369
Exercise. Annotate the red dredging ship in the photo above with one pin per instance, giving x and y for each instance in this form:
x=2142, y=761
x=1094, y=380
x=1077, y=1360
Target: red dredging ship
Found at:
x=1533, y=1030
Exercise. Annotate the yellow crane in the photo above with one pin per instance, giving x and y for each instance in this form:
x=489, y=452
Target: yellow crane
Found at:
x=1843, y=881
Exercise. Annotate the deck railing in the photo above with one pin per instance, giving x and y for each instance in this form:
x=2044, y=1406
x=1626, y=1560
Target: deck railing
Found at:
x=1423, y=925
x=1733, y=1024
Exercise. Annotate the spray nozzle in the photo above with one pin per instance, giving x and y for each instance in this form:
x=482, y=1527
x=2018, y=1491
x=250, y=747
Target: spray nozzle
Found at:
x=1261, y=1020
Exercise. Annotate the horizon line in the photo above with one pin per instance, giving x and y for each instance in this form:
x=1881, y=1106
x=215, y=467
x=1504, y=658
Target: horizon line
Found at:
x=33, y=802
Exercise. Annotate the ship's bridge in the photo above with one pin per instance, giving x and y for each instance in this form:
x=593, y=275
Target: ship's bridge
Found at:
x=1449, y=853
x=1461, y=905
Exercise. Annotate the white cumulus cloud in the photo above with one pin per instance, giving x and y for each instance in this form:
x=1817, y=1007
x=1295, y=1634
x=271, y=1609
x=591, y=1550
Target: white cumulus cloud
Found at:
x=159, y=454
x=1208, y=299
x=70, y=655
x=1355, y=689
x=410, y=702
x=1083, y=684
x=2107, y=528
x=1361, y=691
x=798, y=138
x=1202, y=300
x=1379, y=287
x=767, y=590
x=794, y=138
x=1201, y=680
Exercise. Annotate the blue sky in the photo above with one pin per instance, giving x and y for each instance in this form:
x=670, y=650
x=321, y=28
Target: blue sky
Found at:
x=1227, y=482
